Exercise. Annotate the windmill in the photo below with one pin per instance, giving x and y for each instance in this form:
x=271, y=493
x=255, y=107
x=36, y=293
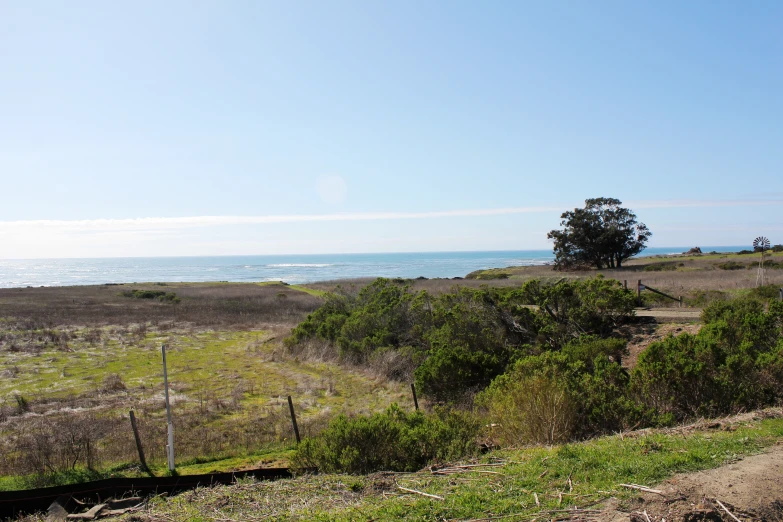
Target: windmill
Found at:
x=761, y=244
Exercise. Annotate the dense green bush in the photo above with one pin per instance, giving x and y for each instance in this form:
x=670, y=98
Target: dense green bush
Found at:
x=732, y=265
x=455, y=343
x=325, y=322
x=384, y=314
x=591, y=393
x=389, y=441
x=570, y=309
x=553, y=372
x=152, y=294
x=733, y=363
x=471, y=339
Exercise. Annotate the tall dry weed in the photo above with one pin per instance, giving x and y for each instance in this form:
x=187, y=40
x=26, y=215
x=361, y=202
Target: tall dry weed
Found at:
x=532, y=411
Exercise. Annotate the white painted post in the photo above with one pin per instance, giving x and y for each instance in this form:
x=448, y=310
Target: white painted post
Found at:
x=170, y=445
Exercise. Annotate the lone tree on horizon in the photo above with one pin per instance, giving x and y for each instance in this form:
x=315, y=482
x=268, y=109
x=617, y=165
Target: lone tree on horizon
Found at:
x=602, y=234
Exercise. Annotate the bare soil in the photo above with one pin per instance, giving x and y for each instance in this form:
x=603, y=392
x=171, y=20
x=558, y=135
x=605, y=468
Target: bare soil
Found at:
x=751, y=489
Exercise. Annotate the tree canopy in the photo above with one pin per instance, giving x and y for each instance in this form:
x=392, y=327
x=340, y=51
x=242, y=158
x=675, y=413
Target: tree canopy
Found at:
x=602, y=234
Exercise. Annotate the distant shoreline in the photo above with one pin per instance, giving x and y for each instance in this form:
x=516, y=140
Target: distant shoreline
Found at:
x=292, y=269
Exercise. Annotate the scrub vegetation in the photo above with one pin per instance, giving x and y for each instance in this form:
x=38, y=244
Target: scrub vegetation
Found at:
x=510, y=376
x=700, y=278
x=542, y=363
x=74, y=360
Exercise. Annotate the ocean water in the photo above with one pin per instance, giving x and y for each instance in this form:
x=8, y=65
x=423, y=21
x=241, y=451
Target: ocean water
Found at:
x=289, y=268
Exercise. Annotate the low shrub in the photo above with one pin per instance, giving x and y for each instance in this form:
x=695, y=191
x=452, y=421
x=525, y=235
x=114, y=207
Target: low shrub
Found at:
x=732, y=265
x=766, y=292
x=113, y=383
x=22, y=405
x=535, y=409
x=488, y=275
x=390, y=441
x=733, y=363
x=152, y=294
x=777, y=248
x=662, y=267
x=579, y=391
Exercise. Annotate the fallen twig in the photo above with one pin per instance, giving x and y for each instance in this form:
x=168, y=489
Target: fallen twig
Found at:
x=727, y=510
x=642, y=488
x=479, y=465
x=420, y=493
x=462, y=469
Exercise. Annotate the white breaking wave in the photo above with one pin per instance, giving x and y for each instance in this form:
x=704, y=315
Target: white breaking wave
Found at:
x=300, y=265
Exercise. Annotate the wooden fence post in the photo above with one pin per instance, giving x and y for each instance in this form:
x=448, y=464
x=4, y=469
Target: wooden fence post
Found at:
x=639, y=292
x=293, y=419
x=144, y=466
x=415, y=399
x=781, y=294
x=625, y=284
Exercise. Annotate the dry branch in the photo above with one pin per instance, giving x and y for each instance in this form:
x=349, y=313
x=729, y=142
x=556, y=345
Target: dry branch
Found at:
x=727, y=510
x=642, y=488
x=420, y=493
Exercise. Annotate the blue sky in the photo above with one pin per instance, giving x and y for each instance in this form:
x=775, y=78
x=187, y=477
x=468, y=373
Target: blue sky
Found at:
x=189, y=128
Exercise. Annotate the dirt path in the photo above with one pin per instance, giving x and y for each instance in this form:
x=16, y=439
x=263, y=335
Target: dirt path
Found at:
x=752, y=489
x=670, y=315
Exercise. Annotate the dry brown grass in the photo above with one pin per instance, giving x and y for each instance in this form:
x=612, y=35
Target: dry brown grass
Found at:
x=215, y=305
x=698, y=278
x=229, y=387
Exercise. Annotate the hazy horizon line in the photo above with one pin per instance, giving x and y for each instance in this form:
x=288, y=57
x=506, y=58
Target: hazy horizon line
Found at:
x=344, y=253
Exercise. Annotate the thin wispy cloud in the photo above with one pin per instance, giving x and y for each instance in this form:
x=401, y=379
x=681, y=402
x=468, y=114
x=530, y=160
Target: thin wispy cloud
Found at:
x=695, y=203
x=207, y=221
x=159, y=223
